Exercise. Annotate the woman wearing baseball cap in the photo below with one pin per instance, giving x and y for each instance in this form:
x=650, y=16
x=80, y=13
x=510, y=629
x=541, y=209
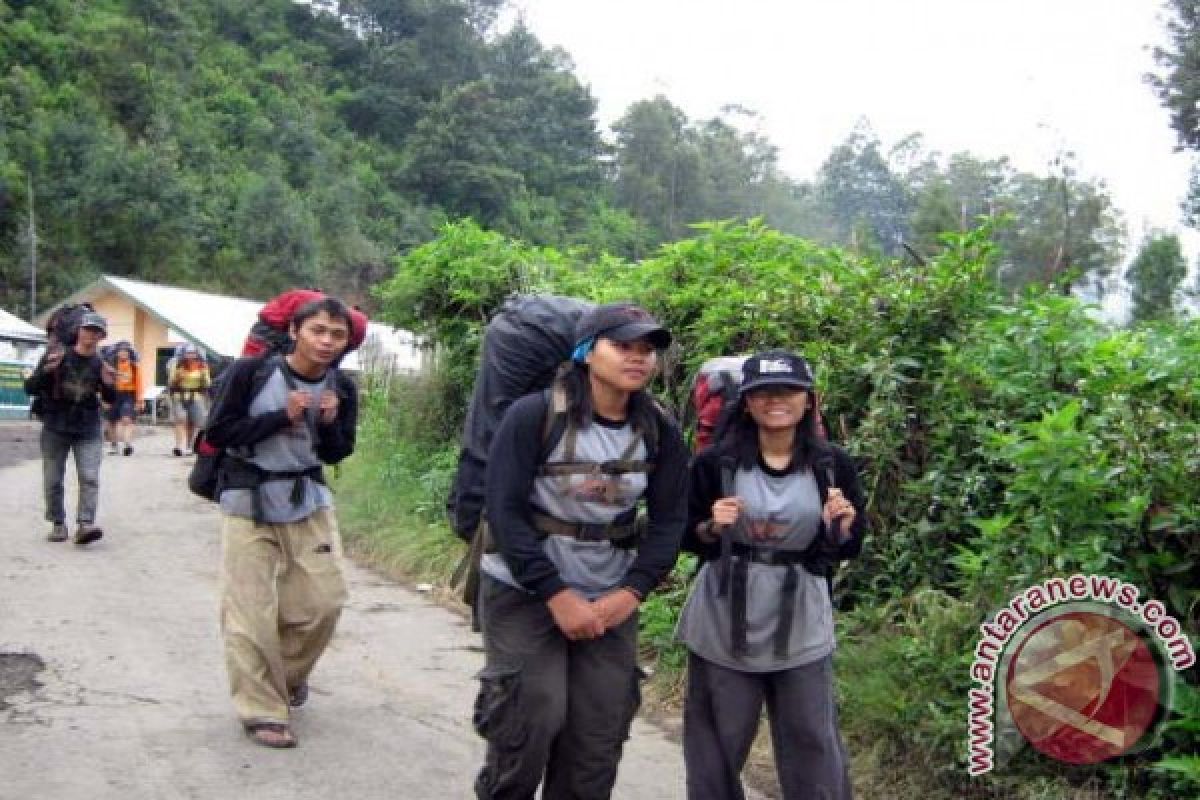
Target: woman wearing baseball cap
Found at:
x=569, y=564
x=772, y=506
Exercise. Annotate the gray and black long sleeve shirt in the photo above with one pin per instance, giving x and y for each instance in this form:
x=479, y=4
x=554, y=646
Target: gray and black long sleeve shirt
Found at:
x=544, y=565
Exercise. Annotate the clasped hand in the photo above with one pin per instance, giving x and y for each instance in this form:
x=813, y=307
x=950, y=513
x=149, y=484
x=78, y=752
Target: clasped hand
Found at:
x=581, y=619
x=300, y=401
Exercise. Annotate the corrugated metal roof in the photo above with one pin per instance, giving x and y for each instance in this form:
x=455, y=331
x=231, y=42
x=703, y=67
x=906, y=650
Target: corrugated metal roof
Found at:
x=13, y=327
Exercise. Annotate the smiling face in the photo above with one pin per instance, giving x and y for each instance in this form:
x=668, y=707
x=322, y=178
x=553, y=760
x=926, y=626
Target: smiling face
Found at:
x=624, y=366
x=776, y=408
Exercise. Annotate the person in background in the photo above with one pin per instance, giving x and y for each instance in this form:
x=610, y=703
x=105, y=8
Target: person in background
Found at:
x=68, y=383
x=772, y=507
x=188, y=385
x=128, y=388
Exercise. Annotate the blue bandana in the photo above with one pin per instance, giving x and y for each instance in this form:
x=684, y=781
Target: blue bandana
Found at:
x=582, y=349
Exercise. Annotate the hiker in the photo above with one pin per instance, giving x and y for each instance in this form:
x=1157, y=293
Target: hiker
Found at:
x=68, y=383
x=771, y=508
x=280, y=417
x=128, y=397
x=188, y=386
x=561, y=587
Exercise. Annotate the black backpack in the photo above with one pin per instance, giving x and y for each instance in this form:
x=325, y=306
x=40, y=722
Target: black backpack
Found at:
x=523, y=347
x=62, y=327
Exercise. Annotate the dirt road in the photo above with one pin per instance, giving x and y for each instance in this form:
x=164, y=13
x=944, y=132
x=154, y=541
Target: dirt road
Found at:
x=112, y=683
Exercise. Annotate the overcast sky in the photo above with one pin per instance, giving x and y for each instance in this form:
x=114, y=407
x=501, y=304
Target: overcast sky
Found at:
x=1022, y=78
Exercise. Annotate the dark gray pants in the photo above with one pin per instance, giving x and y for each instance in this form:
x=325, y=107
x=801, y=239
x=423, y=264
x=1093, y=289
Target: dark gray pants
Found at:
x=548, y=707
x=720, y=719
x=89, y=452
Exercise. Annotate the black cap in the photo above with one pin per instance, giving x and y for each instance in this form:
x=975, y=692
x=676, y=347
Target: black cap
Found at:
x=93, y=320
x=622, y=322
x=776, y=368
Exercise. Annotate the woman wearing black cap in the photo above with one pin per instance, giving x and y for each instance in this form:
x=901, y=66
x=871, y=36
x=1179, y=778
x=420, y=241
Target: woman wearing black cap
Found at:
x=771, y=507
x=569, y=567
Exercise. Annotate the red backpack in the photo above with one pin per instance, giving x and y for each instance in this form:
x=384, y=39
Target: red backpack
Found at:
x=714, y=391
x=270, y=333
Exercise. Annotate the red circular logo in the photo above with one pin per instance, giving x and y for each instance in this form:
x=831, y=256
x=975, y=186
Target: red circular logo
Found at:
x=1083, y=688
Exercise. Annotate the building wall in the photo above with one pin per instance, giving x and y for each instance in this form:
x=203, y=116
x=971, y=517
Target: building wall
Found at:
x=130, y=322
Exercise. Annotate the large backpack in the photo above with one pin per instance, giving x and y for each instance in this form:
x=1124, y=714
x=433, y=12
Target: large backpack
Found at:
x=523, y=346
x=62, y=328
x=714, y=392
x=269, y=334
x=267, y=340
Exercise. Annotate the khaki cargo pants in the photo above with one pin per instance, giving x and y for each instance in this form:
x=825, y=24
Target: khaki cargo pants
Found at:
x=282, y=591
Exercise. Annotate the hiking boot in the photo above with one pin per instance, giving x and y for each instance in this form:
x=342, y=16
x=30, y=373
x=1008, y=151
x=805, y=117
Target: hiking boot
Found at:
x=86, y=534
x=58, y=533
x=128, y=449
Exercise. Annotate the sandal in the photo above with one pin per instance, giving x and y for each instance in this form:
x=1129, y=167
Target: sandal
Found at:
x=271, y=734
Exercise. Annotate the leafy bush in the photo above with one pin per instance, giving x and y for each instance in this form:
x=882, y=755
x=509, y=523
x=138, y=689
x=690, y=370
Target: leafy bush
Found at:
x=1001, y=443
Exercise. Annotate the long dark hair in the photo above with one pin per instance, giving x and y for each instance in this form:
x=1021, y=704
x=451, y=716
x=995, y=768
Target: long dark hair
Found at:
x=577, y=383
x=736, y=435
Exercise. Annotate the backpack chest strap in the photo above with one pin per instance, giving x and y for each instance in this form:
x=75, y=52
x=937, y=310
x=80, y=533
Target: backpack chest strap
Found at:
x=614, y=467
x=583, y=531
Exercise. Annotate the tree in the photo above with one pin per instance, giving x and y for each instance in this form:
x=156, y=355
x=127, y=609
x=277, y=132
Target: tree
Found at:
x=1155, y=274
x=862, y=195
x=1064, y=229
x=1178, y=87
x=655, y=167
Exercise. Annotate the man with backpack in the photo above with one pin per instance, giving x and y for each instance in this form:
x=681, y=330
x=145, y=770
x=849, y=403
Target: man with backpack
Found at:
x=279, y=418
x=188, y=385
x=124, y=360
x=67, y=385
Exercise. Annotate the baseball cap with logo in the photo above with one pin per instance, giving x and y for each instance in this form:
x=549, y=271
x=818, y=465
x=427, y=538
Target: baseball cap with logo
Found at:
x=93, y=320
x=622, y=322
x=775, y=368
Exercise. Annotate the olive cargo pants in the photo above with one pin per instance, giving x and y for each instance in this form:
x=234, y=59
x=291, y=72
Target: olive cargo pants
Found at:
x=282, y=592
x=548, y=707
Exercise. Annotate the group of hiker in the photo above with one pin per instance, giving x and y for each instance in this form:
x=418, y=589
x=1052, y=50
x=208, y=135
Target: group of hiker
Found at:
x=566, y=560
x=588, y=494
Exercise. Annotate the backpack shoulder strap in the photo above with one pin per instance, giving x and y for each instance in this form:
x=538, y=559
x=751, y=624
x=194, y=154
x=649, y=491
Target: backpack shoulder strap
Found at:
x=653, y=434
x=824, y=464
x=263, y=372
x=555, y=424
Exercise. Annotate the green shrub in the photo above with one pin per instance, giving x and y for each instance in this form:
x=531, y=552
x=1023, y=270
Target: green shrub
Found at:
x=1001, y=443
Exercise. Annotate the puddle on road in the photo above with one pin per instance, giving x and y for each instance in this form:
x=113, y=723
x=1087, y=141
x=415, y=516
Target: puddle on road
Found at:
x=18, y=673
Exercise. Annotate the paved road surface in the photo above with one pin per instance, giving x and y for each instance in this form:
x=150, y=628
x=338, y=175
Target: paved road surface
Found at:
x=130, y=699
